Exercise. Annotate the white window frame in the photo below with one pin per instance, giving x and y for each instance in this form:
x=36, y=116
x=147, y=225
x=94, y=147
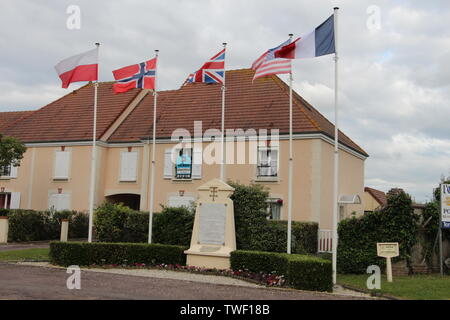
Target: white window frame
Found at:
x=13, y=172
x=261, y=149
x=271, y=201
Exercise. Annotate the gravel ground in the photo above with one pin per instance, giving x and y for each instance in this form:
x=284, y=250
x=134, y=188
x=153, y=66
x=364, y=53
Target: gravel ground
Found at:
x=19, y=281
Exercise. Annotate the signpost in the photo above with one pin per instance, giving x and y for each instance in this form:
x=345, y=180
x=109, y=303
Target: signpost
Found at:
x=444, y=219
x=388, y=250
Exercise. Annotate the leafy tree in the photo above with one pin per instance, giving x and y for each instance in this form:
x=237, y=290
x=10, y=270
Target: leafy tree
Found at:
x=11, y=151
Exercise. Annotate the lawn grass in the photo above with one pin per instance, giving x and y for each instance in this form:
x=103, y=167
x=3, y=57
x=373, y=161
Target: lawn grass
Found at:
x=417, y=287
x=37, y=254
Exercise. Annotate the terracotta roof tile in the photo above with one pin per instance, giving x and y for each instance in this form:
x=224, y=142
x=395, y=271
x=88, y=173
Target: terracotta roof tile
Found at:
x=263, y=104
x=70, y=117
x=9, y=118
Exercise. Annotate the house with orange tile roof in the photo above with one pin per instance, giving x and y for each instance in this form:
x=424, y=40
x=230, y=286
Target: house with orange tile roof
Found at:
x=55, y=170
x=374, y=199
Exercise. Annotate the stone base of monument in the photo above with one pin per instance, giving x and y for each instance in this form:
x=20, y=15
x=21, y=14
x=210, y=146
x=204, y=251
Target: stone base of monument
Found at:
x=213, y=234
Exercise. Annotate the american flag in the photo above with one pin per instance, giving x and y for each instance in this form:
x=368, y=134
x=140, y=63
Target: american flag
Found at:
x=267, y=64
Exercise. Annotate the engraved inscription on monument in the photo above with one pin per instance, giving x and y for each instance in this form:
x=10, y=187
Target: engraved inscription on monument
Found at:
x=212, y=223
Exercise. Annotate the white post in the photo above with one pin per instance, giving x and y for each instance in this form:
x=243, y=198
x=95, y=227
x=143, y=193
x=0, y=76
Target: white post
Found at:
x=290, y=172
x=336, y=149
x=64, y=230
x=441, y=254
x=389, y=269
x=152, y=178
x=93, y=162
x=4, y=229
x=222, y=141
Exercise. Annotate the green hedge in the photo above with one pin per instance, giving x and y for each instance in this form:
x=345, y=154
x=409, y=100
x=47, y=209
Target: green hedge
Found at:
x=85, y=254
x=259, y=261
x=301, y=271
x=358, y=237
x=31, y=225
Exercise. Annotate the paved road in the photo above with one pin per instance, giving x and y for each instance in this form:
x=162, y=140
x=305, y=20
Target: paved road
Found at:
x=28, y=282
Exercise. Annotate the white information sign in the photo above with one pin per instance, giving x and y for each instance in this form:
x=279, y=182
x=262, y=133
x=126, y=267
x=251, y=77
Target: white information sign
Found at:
x=445, y=206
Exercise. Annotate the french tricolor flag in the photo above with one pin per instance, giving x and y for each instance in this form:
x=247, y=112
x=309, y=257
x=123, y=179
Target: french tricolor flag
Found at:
x=82, y=67
x=317, y=43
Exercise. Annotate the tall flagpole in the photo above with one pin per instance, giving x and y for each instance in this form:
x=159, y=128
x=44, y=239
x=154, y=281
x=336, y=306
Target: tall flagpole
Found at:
x=93, y=160
x=336, y=148
x=222, y=146
x=290, y=173
x=152, y=182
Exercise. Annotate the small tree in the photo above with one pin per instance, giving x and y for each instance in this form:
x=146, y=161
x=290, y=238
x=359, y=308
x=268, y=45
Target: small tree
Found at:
x=11, y=151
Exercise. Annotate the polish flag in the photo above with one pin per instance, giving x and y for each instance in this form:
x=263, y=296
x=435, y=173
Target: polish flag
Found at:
x=82, y=67
x=317, y=43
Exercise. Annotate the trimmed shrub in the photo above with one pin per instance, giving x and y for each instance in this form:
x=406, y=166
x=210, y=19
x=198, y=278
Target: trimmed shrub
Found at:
x=85, y=254
x=110, y=220
x=301, y=271
x=259, y=261
x=310, y=273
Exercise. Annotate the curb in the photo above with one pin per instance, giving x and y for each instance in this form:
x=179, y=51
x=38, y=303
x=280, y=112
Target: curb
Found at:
x=374, y=294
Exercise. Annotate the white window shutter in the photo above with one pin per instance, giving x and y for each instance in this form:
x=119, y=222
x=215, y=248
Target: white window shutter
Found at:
x=14, y=171
x=168, y=165
x=53, y=201
x=128, y=166
x=62, y=160
x=274, y=162
x=197, y=163
x=64, y=201
x=15, y=200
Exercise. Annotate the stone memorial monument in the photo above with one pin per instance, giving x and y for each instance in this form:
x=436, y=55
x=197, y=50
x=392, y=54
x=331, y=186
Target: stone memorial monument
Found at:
x=213, y=234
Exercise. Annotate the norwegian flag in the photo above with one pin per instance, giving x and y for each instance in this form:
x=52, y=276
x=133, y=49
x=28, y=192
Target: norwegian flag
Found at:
x=267, y=64
x=140, y=75
x=212, y=71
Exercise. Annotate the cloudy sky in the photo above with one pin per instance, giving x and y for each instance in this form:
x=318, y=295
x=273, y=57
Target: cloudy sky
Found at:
x=394, y=65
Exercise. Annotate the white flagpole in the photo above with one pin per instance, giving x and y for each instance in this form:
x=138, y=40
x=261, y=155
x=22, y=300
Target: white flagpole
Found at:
x=290, y=173
x=93, y=160
x=152, y=182
x=336, y=149
x=222, y=146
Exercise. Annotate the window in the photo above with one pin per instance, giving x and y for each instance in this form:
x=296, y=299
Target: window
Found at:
x=128, y=166
x=185, y=163
x=62, y=165
x=8, y=172
x=274, y=209
x=267, y=162
x=9, y=200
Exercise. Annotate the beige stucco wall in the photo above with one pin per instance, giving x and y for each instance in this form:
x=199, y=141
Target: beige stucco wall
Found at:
x=370, y=204
x=312, y=184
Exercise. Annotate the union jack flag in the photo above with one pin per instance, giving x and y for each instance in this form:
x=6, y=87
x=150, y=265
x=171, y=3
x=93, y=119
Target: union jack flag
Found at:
x=212, y=71
x=141, y=75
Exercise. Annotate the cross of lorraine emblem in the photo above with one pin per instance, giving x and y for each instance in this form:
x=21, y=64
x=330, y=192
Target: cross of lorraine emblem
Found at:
x=213, y=194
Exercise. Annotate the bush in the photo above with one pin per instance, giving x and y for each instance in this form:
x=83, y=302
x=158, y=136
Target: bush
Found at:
x=310, y=273
x=173, y=226
x=301, y=271
x=85, y=254
x=358, y=236
x=118, y=223
x=250, y=214
x=259, y=261
x=31, y=225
